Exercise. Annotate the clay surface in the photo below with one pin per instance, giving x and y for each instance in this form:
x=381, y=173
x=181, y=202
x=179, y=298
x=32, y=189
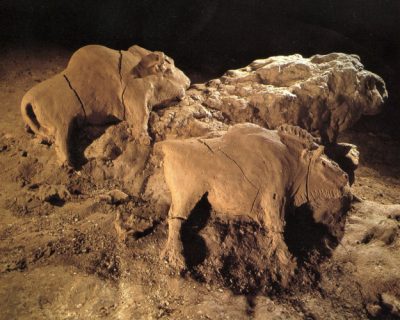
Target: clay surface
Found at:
x=101, y=86
x=259, y=174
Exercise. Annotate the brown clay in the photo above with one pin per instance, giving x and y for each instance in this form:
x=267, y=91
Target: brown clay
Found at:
x=253, y=172
x=101, y=86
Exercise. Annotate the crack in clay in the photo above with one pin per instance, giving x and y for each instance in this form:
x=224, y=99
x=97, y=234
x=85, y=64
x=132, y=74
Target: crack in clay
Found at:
x=308, y=180
x=179, y=218
x=205, y=143
x=120, y=65
x=254, y=201
x=76, y=94
x=244, y=175
x=123, y=103
x=146, y=171
x=120, y=80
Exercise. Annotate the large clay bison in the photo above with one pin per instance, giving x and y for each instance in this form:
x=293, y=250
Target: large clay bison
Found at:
x=254, y=172
x=100, y=86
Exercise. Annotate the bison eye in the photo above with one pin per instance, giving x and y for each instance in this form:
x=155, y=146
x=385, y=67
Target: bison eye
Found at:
x=324, y=163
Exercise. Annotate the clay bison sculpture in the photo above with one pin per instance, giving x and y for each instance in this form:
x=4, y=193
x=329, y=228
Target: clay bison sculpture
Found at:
x=100, y=86
x=254, y=172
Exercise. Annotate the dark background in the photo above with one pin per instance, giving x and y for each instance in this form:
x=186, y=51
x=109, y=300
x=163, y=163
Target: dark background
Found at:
x=208, y=37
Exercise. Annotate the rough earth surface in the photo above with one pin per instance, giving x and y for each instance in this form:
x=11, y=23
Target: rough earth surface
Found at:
x=324, y=94
x=78, y=246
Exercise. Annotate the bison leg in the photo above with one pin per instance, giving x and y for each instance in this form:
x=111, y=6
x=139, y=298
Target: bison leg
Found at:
x=284, y=263
x=177, y=215
x=173, y=251
x=63, y=143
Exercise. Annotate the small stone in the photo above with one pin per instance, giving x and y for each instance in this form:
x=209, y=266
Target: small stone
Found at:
x=24, y=153
x=373, y=309
x=115, y=197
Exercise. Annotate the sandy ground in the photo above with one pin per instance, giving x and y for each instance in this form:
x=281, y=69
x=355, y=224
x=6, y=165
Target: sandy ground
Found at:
x=61, y=258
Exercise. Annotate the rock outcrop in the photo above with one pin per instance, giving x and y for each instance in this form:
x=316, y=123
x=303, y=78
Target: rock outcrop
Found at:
x=324, y=94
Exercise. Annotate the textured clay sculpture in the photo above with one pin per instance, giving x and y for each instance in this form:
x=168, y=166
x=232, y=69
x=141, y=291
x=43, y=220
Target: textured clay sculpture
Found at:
x=324, y=94
x=254, y=172
x=101, y=86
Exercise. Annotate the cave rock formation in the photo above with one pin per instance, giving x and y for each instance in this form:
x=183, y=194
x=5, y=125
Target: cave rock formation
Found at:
x=324, y=94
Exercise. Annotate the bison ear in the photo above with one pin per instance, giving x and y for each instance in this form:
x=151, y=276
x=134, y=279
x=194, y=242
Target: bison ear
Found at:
x=150, y=64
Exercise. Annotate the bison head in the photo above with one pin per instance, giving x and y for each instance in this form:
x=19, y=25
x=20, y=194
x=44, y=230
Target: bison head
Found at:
x=170, y=82
x=320, y=183
x=327, y=191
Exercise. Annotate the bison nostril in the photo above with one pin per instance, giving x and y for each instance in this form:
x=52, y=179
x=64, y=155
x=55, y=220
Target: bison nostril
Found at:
x=32, y=116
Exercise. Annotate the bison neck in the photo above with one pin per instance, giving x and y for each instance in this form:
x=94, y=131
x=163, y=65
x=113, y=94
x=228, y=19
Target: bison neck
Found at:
x=299, y=188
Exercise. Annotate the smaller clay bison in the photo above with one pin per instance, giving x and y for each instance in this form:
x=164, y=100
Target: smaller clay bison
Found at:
x=255, y=172
x=101, y=86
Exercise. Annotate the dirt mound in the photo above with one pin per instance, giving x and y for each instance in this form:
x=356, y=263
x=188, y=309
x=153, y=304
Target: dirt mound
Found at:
x=371, y=247
x=235, y=252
